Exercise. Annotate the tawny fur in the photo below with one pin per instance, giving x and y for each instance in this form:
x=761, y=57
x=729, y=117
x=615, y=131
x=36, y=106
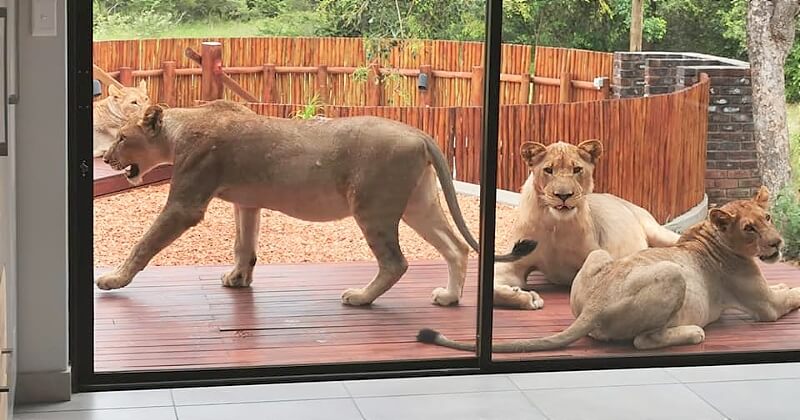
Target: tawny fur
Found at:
x=376, y=170
x=569, y=227
x=662, y=297
x=111, y=112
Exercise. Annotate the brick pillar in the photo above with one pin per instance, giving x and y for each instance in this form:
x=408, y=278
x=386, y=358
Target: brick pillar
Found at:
x=628, y=75
x=732, y=171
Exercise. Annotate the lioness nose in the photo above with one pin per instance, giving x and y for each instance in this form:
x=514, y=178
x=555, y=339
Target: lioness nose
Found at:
x=564, y=196
x=776, y=242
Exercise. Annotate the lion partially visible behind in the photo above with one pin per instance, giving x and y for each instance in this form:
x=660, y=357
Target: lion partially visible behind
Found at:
x=111, y=112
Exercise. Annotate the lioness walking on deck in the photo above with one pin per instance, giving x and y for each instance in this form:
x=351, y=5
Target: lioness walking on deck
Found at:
x=376, y=170
x=662, y=297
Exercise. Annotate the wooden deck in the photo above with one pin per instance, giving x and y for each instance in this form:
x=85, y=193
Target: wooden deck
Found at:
x=181, y=317
x=108, y=181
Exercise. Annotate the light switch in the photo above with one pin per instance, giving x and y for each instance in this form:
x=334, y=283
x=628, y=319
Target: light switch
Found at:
x=43, y=18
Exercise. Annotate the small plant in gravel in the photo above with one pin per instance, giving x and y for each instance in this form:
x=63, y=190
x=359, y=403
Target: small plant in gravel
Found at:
x=311, y=109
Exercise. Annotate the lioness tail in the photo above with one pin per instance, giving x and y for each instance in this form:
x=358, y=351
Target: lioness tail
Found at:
x=521, y=248
x=582, y=326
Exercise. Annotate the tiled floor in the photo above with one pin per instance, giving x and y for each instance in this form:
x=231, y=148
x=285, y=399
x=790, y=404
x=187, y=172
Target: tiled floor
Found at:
x=726, y=392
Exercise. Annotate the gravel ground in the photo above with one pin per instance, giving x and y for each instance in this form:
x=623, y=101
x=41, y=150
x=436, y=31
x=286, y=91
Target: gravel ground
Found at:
x=120, y=220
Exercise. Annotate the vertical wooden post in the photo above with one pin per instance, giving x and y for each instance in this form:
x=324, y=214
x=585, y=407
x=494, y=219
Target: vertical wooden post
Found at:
x=126, y=76
x=268, y=94
x=637, y=17
x=374, y=85
x=322, y=84
x=566, y=87
x=211, y=83
x=525, y=89
x=476, y=96
x=168, y=83
x=425, y=97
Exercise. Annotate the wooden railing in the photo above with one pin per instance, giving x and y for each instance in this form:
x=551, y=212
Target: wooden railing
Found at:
x=655, y=147
x=294, y=70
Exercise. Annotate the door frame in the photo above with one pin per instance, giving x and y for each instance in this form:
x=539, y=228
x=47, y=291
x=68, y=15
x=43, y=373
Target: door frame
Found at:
x=81, y=272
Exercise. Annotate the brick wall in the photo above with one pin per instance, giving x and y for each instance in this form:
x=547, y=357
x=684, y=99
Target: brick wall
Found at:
x=732, y=169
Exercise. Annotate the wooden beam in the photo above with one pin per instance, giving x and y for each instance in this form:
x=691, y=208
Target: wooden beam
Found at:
x=104, y=77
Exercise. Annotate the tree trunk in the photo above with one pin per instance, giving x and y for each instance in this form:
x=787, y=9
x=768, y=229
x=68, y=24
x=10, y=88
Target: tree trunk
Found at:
x=770, y=35
x=637, y=16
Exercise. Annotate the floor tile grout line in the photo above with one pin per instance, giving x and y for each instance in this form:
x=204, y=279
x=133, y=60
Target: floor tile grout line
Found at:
x=263, y=401
x=533, y=403
x=708, y=403
x=353, y=399
x=174, y=407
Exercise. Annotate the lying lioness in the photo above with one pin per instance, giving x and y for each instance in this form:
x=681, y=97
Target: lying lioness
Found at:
x=663, y=297
x=111, y=112
x=559, y=210
x=377, y=170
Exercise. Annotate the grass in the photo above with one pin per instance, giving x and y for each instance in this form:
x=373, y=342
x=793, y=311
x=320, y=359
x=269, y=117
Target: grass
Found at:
x=187, y=30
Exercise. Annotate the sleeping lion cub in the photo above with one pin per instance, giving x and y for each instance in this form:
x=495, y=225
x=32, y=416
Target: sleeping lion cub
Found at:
x=559, y=210
x=662, y=297
x=111, y=112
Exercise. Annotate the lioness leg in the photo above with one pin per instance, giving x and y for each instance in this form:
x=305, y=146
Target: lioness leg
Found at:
x=424, y=214
x=770, y=303
x=170, y=224
x=382, y=238
x=650, y=298
x=510, y=280
x=673, y=336
x=247, y=224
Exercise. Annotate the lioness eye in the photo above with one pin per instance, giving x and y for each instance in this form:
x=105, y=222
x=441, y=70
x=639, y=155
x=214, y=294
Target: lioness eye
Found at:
x=548, y=170
x=577, y=170
x=135, y=103
x=769, y=217
x=750, y=228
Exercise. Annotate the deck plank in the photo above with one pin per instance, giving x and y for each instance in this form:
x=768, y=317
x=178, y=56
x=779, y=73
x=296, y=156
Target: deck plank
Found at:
x=182, y=318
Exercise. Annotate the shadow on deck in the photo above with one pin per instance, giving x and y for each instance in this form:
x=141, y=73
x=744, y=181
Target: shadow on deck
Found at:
x=182, y=318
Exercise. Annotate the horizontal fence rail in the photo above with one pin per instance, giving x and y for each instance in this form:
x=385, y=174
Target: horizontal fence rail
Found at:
x=655, y=147
x=336, y=71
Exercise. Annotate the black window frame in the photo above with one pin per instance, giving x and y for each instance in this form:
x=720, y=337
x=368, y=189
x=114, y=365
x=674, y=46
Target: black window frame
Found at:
x=81, y=272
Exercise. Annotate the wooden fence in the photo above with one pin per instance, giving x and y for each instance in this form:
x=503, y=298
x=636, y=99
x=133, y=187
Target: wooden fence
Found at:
x=655, y=147
x=305, y=67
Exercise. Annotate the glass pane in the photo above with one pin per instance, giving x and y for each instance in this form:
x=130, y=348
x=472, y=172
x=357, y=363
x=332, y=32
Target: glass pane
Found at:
x=297, y=271
x=649, y=143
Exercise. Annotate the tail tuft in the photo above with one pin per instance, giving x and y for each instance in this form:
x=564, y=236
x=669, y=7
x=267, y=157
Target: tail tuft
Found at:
x=427, y=335
x=524, y=247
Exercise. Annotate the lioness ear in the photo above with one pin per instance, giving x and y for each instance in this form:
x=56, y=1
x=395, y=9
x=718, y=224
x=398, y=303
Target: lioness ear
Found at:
x=152, y=119
x=143, y=85
x=590, y=150
x=762, y=197
x=114, y=91
x=720, y=218
x=532, y=152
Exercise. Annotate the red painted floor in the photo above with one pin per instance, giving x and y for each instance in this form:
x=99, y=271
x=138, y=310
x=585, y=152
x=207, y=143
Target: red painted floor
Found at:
x=181, y=317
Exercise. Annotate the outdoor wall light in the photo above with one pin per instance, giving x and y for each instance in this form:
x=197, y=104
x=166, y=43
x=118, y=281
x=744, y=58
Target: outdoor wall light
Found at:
x=422, y=81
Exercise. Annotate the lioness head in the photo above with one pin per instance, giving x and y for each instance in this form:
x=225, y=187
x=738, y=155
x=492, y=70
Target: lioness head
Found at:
x=130, y=100
x=746, y=227
x=140, y=145
x=562, y=173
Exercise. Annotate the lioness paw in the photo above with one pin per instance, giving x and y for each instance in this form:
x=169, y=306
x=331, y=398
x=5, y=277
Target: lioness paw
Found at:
x=237, y=278
x=529, y=300
x=696, y=334
x=112, y=280
x=444, y=297
x=779, y=287
x=355, y=297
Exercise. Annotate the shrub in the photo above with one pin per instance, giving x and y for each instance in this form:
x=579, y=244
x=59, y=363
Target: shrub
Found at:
x=786, y=215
